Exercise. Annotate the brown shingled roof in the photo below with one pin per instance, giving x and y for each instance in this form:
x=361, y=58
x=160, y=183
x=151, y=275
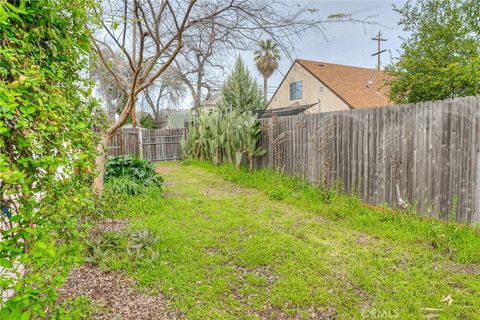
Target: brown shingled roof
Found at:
x=350, y=83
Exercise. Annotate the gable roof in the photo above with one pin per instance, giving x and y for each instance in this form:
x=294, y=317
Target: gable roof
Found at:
x=350, y=83
x=175, y=117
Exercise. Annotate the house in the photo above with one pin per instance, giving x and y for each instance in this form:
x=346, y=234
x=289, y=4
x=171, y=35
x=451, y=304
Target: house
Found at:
x=322, y=87
x=176, y=118
x=210, y=102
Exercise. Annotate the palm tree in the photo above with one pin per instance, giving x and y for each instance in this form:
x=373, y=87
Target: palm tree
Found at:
x=266, y=59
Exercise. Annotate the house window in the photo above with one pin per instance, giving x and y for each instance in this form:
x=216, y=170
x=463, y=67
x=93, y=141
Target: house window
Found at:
x=296, y=90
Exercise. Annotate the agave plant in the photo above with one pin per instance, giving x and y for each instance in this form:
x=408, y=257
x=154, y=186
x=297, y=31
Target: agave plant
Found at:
x=204, y=134
x=218, y=137
x=190, y=143
x=252, y=134
x=223, y=136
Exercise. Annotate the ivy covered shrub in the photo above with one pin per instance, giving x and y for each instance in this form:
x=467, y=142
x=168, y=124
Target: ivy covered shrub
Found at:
x=46, y=150
x=130, y=175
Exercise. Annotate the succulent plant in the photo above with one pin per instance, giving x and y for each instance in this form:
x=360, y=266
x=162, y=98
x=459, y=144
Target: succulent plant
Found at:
x=223, y=136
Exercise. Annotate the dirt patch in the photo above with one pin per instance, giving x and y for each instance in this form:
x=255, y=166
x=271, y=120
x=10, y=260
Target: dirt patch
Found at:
x=170, y=195
x=363, y=297
x=322, y=313
x=106, y=225
x=470, y=269
x=114, y=225
x=314, y=313
x=271, y=312
x=211, y=251
x=113, y=291
x=266, y=273
x=366, y=240
x=166, y=169
x=226, y=190
x=264, y=277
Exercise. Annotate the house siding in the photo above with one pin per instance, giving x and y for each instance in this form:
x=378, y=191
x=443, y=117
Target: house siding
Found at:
x=329, y=101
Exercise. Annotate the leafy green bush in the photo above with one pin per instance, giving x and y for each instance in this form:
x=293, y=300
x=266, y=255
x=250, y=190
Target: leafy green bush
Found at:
x=46, y=148
x=133, y=172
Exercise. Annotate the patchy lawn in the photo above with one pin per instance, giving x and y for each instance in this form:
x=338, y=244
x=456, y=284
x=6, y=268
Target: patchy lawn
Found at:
x=272, y=247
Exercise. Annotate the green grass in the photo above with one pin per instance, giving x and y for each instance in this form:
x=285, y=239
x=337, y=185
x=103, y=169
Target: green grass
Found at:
x=80, y=308
x=234, y=244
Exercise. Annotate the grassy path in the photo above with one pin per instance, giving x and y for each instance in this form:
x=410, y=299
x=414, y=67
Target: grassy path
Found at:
x=229, y=252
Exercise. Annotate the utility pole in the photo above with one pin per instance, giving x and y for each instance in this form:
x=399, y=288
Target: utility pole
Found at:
x=379, y=39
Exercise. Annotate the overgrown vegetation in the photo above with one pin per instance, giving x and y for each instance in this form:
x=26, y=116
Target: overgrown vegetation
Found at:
x=223, y=137
x=46, y=149
x=278, y=247
x=130, y=175
x=460, y=242
x=440, y=59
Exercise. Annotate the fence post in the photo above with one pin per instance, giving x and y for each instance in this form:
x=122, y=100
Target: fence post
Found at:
x=140, y=143
x=476, y=196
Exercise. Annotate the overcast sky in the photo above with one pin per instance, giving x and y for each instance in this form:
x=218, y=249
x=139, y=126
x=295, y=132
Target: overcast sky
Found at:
x=347, y=43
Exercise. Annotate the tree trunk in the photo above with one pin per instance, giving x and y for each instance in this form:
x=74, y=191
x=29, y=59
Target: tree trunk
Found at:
x=134, y=57
x=198, y=85
x=197, y=103
x=265, y=90
x=251, y=163
x=197, y=99
x=134, y=118
x=100, y=163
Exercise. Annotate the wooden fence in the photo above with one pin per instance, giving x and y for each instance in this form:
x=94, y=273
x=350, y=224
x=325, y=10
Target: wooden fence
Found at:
x=153, y=144
x=427, y=154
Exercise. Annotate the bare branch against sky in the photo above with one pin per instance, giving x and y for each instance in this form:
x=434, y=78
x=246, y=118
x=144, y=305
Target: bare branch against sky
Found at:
x=148, y=35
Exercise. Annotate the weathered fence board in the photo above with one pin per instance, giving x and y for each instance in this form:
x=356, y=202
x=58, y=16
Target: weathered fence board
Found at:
x=151, y=144
x=426, y=154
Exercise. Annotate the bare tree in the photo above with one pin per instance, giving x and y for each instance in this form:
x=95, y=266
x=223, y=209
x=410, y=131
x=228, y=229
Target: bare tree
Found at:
x=209, y=48
x=155, y=31
x=112, y=95
x=204, y=56
x=167, y=92
x=149, y=34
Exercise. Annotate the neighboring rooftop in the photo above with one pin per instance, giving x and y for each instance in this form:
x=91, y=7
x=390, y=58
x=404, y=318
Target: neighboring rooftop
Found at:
x=211, y=101
x=358, y=87
x=175, y=117
x=281, y=112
